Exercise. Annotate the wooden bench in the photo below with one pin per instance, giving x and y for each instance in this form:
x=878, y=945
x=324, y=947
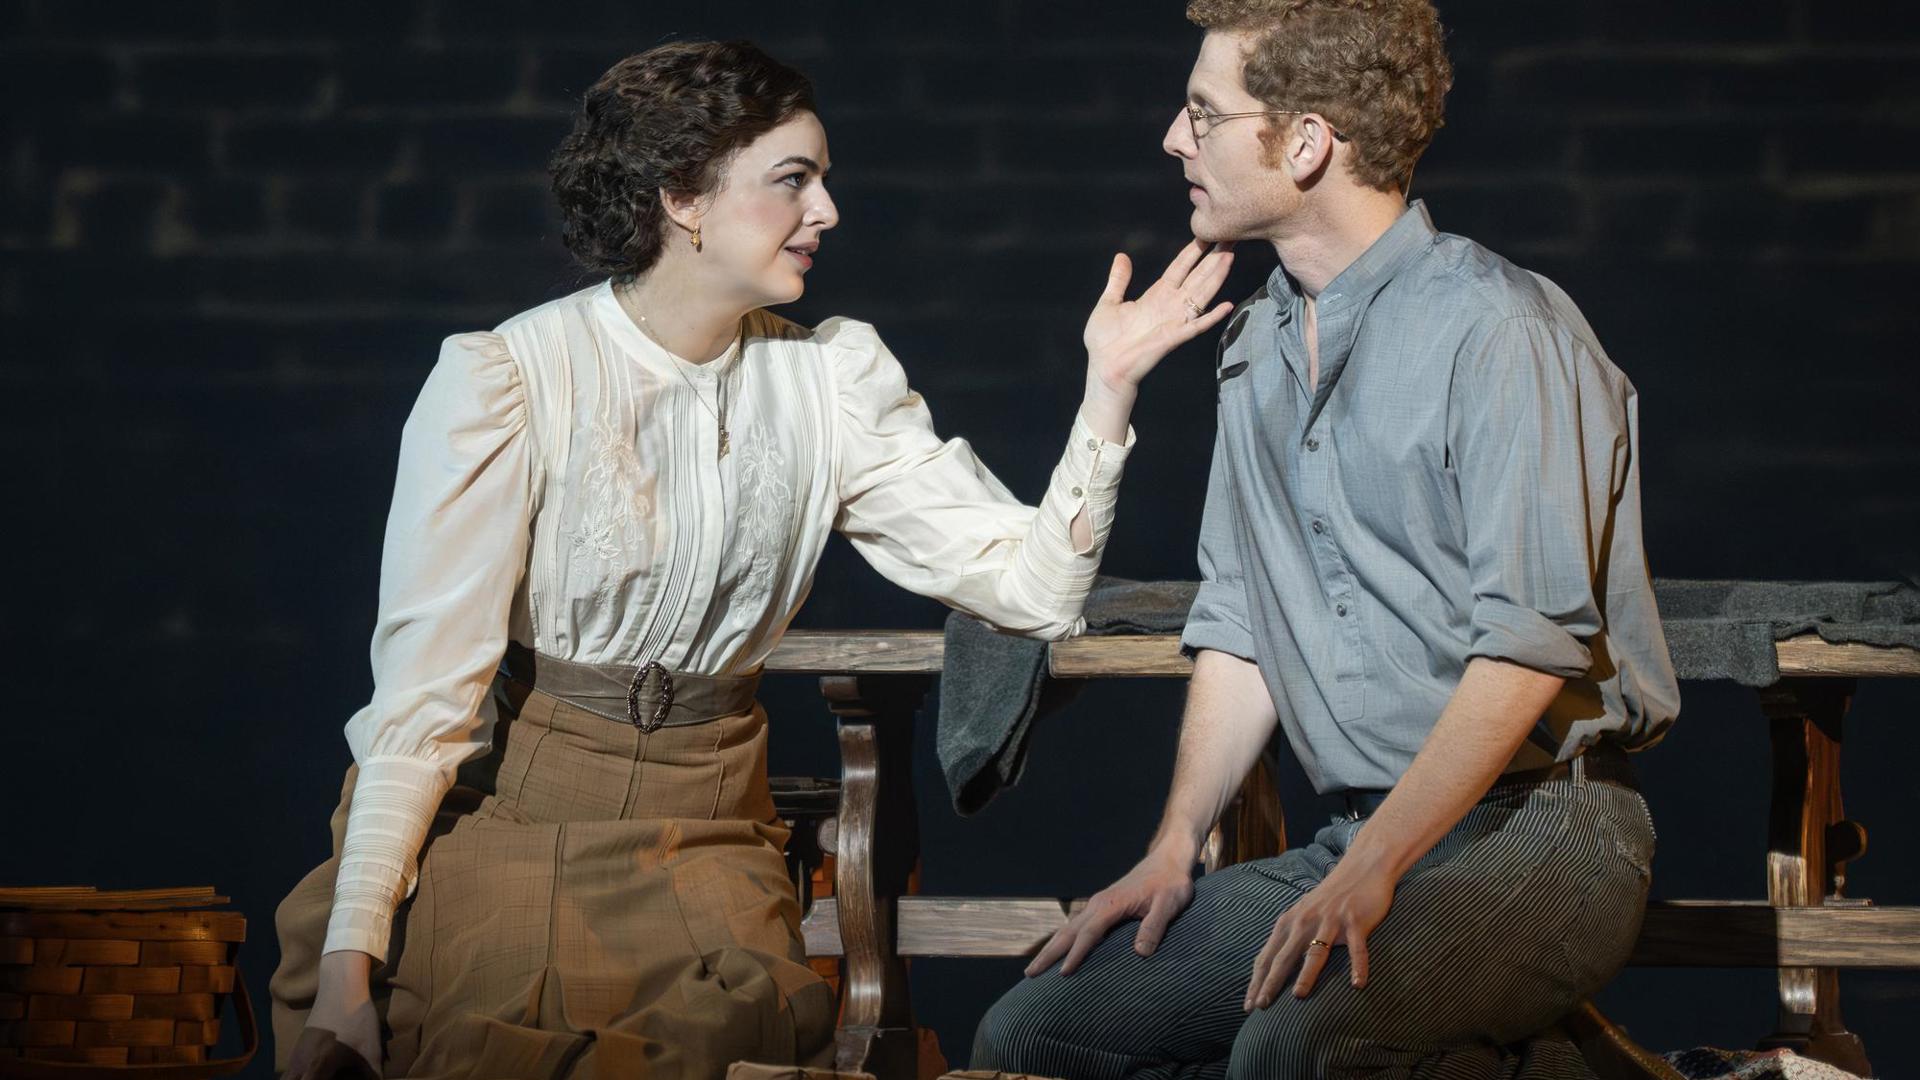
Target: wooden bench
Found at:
x=875, y=682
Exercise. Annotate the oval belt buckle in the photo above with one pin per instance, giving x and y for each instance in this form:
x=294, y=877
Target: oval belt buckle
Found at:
x=653, y=723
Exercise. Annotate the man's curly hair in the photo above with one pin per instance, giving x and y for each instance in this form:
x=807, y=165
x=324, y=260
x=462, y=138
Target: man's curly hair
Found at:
x=668, y=119
x=1376, y=69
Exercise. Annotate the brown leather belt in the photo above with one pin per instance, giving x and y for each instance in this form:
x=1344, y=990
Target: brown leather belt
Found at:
x=649, y=696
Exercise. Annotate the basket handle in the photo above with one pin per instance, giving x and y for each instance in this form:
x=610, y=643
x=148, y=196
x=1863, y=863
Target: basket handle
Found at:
x=28, y=1069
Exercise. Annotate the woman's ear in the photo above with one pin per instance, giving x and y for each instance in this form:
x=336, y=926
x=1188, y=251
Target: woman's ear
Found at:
x=683, y=210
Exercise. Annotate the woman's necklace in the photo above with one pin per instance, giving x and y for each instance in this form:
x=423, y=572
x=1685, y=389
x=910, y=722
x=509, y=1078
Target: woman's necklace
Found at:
x=720, y=394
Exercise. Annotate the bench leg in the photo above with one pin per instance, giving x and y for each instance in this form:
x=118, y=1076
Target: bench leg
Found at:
x=1809, y=843
x=879, y=841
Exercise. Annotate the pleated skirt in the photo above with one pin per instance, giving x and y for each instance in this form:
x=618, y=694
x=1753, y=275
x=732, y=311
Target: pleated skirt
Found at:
x=594, y=901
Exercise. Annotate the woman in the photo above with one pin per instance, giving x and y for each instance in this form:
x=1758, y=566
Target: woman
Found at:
x=617, y=500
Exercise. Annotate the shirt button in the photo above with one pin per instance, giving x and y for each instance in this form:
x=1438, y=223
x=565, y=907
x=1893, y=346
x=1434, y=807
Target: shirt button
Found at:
x=1340, y=610
x=1319, y=527
x=1077, y=493
x=1313, y=444
x=1093, y=444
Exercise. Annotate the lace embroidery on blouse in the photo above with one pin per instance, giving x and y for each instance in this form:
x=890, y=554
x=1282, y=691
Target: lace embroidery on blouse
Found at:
x=616, y=520
x=766, y=500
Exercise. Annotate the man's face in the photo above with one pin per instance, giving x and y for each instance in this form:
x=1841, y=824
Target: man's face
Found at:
x=1236, y=195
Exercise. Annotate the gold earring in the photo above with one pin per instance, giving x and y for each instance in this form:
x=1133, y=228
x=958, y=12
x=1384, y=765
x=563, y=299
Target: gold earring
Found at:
x=696, y=238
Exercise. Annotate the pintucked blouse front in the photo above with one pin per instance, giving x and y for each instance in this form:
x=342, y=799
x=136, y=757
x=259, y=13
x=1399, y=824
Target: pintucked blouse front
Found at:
x=561, y=485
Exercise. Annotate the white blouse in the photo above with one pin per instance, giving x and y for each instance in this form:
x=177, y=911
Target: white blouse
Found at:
x=560, y=485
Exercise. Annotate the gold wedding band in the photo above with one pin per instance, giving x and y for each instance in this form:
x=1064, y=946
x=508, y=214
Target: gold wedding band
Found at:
x=1193, y=309
x=1322, y=944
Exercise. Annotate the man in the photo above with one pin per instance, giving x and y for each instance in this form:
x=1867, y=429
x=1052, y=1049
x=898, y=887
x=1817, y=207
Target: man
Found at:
x=1422, y=558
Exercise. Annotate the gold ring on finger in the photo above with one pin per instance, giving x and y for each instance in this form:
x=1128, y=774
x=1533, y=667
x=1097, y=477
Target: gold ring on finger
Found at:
x=1322, y=944
x=1193, y=309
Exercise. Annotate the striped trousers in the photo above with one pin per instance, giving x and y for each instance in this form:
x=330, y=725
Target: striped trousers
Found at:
x=1528, y=906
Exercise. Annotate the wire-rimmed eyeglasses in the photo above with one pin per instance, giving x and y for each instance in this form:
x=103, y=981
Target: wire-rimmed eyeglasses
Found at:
x=1202, y=121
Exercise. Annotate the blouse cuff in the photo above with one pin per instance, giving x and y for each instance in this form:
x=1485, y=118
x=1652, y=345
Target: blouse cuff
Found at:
x=392, y=806
x=1089, y=476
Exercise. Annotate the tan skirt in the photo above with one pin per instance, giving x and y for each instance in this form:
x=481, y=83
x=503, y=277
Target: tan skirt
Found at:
x=594, y=901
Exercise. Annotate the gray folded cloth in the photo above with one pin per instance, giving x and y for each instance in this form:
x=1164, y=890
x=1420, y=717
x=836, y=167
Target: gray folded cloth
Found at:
x=1726, y=629
x=995, y=686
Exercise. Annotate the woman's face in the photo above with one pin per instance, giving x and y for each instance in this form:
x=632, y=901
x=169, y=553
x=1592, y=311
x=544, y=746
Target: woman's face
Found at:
x=763, y=226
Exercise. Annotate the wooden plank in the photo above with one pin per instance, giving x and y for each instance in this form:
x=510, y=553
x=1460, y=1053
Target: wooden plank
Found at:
x=1150, y=656
x=1701, y=933
x=950, y=926
x=816, y=652
x=89, y=898
x=1809, y=655
x=836, y=652
x=127, y=925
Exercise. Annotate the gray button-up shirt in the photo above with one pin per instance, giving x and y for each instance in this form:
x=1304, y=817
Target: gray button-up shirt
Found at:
x=1464, y=481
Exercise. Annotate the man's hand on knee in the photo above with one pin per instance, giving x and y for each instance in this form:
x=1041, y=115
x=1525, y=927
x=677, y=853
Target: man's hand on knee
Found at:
x=1154, y=891
x=1341, y=911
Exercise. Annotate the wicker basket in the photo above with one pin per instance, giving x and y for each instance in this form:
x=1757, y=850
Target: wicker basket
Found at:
x=119, y=992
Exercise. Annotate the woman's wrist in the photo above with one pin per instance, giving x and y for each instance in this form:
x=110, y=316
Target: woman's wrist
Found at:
x=1107, y=409
x=346, y=972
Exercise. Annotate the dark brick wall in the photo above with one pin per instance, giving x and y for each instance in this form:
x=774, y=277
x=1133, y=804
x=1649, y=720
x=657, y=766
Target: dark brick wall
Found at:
x=233, y=232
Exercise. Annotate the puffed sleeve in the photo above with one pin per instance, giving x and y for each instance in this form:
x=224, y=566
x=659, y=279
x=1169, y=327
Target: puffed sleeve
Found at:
x=456, y=549
x=930, y=517
x=1538, y=435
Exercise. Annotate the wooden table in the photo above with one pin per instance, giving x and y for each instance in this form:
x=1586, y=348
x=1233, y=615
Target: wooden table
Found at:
x=1806, y=928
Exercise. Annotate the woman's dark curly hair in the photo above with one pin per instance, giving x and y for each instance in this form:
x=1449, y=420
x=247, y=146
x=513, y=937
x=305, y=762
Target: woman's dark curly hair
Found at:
x=668, y=119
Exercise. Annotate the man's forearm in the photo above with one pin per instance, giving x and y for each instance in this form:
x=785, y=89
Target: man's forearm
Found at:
x=1229, y=718
x=1491, y=711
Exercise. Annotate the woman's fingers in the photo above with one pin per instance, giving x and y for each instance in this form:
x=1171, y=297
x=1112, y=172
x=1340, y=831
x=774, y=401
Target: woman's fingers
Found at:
x=1179, y=333
x=1210, y=275
x=1183, y=263
x=1118, y=275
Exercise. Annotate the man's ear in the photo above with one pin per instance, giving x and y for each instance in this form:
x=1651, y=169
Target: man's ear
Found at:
x=1309, y=148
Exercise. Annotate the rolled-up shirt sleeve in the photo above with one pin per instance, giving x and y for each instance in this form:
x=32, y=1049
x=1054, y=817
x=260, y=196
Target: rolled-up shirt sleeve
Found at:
x=1539, y=440
x=929, y=516
x=1218, y=618
x=456, y=550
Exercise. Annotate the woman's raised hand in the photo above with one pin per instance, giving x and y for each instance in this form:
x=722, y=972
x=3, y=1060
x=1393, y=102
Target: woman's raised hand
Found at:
x=1126, y=338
